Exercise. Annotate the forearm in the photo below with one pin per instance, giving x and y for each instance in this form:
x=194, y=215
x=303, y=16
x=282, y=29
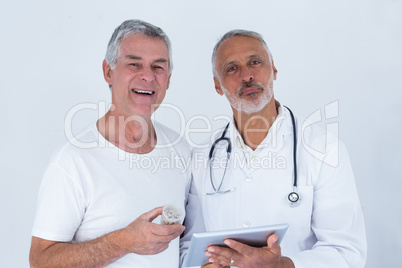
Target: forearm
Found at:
x=95, y=253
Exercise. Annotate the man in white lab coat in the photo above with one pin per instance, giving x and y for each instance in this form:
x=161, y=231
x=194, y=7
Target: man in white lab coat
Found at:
x=326, y=225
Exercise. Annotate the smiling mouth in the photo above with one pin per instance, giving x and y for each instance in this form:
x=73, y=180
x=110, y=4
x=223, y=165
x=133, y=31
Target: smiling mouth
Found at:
x=146, y=92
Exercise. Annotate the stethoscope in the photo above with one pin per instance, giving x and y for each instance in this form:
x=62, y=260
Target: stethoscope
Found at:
x=293, y=197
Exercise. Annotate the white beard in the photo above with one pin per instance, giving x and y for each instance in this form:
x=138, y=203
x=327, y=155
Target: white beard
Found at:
x=250, y=104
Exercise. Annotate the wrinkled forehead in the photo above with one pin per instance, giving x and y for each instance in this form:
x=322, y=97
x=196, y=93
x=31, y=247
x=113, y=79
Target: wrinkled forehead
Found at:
x=141, y=46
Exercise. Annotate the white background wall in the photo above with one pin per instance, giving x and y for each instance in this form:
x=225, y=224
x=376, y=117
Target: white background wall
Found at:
x=347, y=51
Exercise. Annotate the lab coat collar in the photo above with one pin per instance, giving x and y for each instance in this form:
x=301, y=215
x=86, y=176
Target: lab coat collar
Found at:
x=282, y=126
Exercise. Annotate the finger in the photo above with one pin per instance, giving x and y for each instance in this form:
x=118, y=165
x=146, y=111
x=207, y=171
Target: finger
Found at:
x=211, y=265
x=152, y=214
x=167, y=238
x=239, y=247
x=221, y=255
x=218, y=260
x=273, y=244
x=226, y=252
x=167, y=230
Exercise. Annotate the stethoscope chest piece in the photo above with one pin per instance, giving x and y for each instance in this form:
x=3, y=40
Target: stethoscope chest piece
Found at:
x=294, y=199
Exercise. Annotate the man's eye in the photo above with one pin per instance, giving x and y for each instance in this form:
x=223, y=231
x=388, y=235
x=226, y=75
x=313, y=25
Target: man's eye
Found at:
x=255, y=62
x=158, y=67
x=231, y=69
x=134, y=64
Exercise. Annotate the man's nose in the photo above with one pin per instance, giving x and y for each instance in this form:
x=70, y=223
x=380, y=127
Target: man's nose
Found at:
x=247, y=75
x=147, y=74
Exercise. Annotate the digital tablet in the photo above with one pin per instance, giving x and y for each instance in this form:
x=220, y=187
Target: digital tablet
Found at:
x=254, y=236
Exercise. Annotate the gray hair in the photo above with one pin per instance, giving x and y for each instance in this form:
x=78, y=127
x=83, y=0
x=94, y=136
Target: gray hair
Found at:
x=233, y=33
x=130, y=27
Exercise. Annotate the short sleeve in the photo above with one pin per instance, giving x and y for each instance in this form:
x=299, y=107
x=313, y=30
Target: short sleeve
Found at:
x=60, y=206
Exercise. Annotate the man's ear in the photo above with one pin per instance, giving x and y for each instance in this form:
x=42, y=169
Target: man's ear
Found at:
x=107, y=72
x=275, y=70
x=168, y=82
x=218, y=86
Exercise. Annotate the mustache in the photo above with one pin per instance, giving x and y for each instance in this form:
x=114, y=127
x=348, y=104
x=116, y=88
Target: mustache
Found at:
x=248, y=84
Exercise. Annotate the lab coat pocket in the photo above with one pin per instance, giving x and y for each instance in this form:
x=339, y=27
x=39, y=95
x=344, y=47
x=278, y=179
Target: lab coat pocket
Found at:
x=219, y=211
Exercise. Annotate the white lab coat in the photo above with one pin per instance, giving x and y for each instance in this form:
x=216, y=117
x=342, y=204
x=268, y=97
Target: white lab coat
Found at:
x=326, y=229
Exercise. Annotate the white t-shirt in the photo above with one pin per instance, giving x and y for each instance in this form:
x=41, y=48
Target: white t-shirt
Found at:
x=326, y=229
x=87, y=193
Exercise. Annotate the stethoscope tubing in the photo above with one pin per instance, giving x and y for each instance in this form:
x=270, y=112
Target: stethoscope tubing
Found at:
x=293, y=196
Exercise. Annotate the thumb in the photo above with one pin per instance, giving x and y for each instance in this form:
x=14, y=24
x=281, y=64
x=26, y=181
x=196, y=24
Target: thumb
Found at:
x=273, y=244
x=152, y=214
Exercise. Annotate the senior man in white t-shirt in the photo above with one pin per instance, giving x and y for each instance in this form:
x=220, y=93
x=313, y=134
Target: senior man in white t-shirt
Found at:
x=98, y=206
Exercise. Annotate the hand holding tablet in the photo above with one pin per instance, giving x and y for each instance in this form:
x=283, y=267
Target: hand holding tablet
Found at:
x=255, y=237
